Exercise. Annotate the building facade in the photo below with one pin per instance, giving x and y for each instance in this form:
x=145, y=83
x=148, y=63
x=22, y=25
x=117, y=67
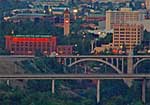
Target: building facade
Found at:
x=147, y=4
x=121, y=17
x=26, y=16
x=49, y=2
x=114, y=1
x=128, y=35
x=30, y=44
x=64, y=49
x=66, y=22
x=93, y=17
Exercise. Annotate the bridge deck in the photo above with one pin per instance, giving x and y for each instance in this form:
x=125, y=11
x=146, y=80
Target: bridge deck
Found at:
x=73, y=76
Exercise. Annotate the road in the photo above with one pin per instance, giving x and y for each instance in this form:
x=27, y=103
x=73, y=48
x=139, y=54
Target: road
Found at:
x=73, y=76
x=79, y=56
x=27, y=57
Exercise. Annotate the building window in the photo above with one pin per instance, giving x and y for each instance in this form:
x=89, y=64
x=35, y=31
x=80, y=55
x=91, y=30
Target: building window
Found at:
x=26, y=49
x=22, y=43
x=17, y=49
x=26, y=43
x=30, y=43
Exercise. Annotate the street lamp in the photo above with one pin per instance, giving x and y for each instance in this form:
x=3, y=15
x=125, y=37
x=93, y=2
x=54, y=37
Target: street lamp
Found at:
x=75, y=11
x=83, y=42
x=75, y=49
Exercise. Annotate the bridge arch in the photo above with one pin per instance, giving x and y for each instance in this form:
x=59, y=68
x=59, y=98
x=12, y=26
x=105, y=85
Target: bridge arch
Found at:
x=97, y=60
x=138, y=62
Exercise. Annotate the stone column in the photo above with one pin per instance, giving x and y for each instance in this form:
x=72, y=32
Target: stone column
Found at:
x=130, y=65
x=98, y=91
x=143, y=91
x=53, y=86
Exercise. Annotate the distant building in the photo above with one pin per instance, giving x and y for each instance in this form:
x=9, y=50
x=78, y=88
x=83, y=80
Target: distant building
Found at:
x=49, y=2
x=28, y=16
x=121, y=17
x=145, y=23
x=98, y=50
x=88, y=26
x=34, y=44
x=114, y=1
x=30, y=44
x=66, y=22
x=147, y=4
x=128, y=35
x=58, y=10
x=64, y=49
x=95, y=17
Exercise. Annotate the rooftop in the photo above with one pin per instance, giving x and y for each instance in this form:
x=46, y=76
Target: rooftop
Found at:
x=34, y=36
x=31, y=14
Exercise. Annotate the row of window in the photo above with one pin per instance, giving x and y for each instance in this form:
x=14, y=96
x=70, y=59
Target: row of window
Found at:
x=63, y=49
x=125, y=33
x=127, y=36
x=126, y=28
x=127, y=41
x=30, y=49
x=32, y=43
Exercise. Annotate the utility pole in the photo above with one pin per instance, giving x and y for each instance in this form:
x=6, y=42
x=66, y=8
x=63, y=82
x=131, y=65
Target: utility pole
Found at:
x=98, y=91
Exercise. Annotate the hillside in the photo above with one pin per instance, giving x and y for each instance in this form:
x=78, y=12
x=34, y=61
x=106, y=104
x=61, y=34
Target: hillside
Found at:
x=10, y=67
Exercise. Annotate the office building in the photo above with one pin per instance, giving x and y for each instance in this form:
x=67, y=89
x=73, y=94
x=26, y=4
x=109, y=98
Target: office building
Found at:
x=147, y=4
x=121, y=17
x=30, y=44
x=128, y=35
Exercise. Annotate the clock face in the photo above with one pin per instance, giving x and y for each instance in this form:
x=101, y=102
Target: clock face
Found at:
x=66, y=21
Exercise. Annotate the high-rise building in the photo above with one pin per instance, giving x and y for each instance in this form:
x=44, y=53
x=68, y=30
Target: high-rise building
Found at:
x=129, y=35
x=66, y=22
x=147, y=4
x=121, y=17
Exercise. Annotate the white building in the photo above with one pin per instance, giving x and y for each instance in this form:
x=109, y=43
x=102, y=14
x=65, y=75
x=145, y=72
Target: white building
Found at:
x=122, y=16
x=147, y=4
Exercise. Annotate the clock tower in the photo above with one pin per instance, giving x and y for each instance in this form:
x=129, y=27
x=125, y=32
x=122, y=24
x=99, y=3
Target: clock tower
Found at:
x=66, y=22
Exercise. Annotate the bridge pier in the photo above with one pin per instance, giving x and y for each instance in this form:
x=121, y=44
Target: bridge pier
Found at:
x=70, y=61
x=98, y=91
x=65, y=64
x=8, y=82
x=112, y=60
x=85, y=69
x=53, y=86
x=143, y=91
x=129, y=70
x=122, y=65
x=117, y=61
x=130, y=65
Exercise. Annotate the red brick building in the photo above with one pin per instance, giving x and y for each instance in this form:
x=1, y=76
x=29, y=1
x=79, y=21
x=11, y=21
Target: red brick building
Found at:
x=30, y=44
x=64, y=49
